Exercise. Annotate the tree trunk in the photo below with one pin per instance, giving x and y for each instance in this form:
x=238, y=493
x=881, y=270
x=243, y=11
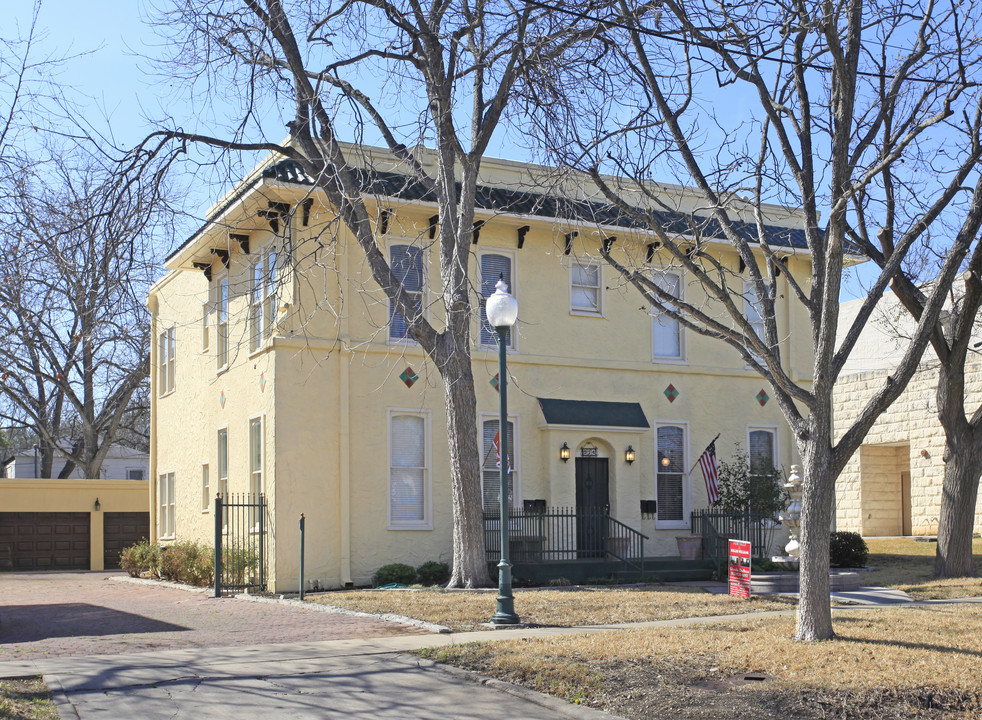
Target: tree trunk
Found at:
x=470, y=565
x=814, y=605
x=958, y=497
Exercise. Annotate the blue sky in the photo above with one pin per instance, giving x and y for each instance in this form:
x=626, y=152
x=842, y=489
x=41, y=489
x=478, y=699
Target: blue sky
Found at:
x=113, y=82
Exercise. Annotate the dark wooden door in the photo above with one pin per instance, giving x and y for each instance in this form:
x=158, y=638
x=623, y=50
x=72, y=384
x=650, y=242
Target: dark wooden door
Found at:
x=592, y=500
x=120, y=530
x=44, y=541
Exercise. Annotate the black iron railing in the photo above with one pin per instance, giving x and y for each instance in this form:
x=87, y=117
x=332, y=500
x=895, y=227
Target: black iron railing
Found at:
x=718, y=528
x=241, y=544
x=564, y=534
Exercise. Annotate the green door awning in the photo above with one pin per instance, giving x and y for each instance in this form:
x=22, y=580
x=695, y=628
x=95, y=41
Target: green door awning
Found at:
x=593, y=413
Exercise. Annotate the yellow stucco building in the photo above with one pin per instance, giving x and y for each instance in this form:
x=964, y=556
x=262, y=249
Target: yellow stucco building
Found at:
x=281, y=368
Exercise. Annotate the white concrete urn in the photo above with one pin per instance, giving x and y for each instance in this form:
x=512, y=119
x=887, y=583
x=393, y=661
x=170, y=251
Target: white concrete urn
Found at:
x=791, y=517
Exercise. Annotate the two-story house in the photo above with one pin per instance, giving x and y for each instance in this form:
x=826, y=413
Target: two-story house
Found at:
x=281, y=368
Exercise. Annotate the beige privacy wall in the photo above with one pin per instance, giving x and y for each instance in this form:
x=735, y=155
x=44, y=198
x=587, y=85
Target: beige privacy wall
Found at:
x=872, y=494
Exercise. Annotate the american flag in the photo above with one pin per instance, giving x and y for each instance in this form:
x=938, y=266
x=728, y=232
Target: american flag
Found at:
x=710, y=471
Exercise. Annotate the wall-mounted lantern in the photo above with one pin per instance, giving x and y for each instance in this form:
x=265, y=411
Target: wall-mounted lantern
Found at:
x=564, y=453
x=629, y=456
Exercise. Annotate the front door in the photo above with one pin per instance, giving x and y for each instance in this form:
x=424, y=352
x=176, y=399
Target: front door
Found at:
x=592, y=501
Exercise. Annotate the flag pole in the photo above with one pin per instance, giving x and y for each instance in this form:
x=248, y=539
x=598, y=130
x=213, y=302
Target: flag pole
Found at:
x=703, y=453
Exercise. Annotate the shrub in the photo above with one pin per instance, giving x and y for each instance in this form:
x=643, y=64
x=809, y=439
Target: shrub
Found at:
x=188, y=562
x=396, y=573
x=742, y=488
x=433, y=573
x=847, y=549
x=239, y=564
x=142, y=559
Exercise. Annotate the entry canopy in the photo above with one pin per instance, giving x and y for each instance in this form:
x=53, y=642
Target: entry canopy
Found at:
x=593, y=413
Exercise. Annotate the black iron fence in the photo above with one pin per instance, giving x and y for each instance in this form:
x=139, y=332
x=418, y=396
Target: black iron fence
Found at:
x=241, y=543
x=545, y=535
x=718, y=528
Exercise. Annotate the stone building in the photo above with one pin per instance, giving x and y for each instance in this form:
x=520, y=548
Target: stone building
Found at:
x=892, y=485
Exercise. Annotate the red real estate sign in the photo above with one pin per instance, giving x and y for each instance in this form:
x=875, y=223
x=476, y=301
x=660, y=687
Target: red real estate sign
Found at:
x=740, y=568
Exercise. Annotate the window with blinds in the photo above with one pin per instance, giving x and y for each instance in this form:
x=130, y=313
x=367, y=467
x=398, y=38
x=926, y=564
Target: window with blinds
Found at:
x=761, y=451
x=493, y=268
x=585, y=291
x=406, y=262
x=408, y=472
x=670, y=477
x=666, y=333
x=490, y=467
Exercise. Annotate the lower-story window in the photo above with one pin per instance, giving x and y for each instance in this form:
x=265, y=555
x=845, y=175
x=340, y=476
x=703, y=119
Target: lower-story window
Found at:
x=670, y=476
x=409, y=472
x=165, y=516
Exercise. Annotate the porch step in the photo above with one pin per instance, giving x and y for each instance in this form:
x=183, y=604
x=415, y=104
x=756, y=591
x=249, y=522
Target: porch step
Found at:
x=659, y=569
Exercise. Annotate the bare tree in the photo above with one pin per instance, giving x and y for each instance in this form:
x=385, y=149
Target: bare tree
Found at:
x=75, y=352
x=868, y=113
x=450, y=73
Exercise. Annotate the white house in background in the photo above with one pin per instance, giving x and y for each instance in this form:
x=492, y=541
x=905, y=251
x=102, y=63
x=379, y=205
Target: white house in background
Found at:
x=121, y=463
x=892, y=485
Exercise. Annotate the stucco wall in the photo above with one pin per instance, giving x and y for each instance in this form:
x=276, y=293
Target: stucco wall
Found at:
x=864, y=500
x=330, y=378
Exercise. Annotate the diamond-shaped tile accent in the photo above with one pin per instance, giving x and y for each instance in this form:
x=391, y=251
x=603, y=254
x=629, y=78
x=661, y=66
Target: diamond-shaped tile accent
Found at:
x=221, y=399
x=495, y=382
x=409, y=377
x=762, y=397
x=671, y=392
x=262, y=382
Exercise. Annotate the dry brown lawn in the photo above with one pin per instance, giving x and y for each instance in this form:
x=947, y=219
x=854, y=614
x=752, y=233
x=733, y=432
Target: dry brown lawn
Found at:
x=22, y=698
x=885, y=663
x=908, y=565
x=461, y=610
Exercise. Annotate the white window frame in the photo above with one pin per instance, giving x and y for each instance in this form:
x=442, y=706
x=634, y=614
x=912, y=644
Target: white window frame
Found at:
x=222, y=481
x=263, y=298
x=587, y=262
x=515, y=450
x=682, y=357
x=685, y=522
x=206, y=326
x=166, y=506
x=749, y=298
x=205, y=488
x=257, y=476
x=167, y=361
x=221, y=322
x=426, y=523
x=512, y=288
x=773, y=430
x=392, y=242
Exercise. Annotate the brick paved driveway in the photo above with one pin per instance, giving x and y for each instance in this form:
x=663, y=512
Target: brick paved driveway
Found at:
x=90, y=613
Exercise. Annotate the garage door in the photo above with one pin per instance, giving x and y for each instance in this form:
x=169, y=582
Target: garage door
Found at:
x=44, y=541
x=123, y=529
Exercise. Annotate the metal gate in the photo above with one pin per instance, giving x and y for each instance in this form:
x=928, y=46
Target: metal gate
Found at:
x=241, y=545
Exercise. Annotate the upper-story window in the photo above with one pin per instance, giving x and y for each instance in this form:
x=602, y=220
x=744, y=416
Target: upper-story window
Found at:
x=494, y=267
x=406, y=262
x=667, y=337
x=263, y=302
x=166, y=360
x=409, y=481
x=751, y=308
x=585, y=287
x=221, y=321
x=670, y=478
x=491, y=467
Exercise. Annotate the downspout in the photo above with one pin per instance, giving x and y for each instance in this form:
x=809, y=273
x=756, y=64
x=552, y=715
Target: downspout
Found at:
x=153, y=304
x=344, y=439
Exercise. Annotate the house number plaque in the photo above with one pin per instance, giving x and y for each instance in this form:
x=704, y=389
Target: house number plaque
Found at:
x=588, y=452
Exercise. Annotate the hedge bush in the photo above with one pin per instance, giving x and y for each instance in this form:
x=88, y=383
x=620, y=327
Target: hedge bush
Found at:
x=395, y=573
x=188, y=562
x=847, y=550
x=433, y=573
x=142, y=559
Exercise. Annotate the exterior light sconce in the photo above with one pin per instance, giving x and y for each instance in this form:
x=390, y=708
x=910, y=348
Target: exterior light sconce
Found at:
x=924, y=454
x=629, y=456
x=98, y=505
x=665, y=462
x=564, y=453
